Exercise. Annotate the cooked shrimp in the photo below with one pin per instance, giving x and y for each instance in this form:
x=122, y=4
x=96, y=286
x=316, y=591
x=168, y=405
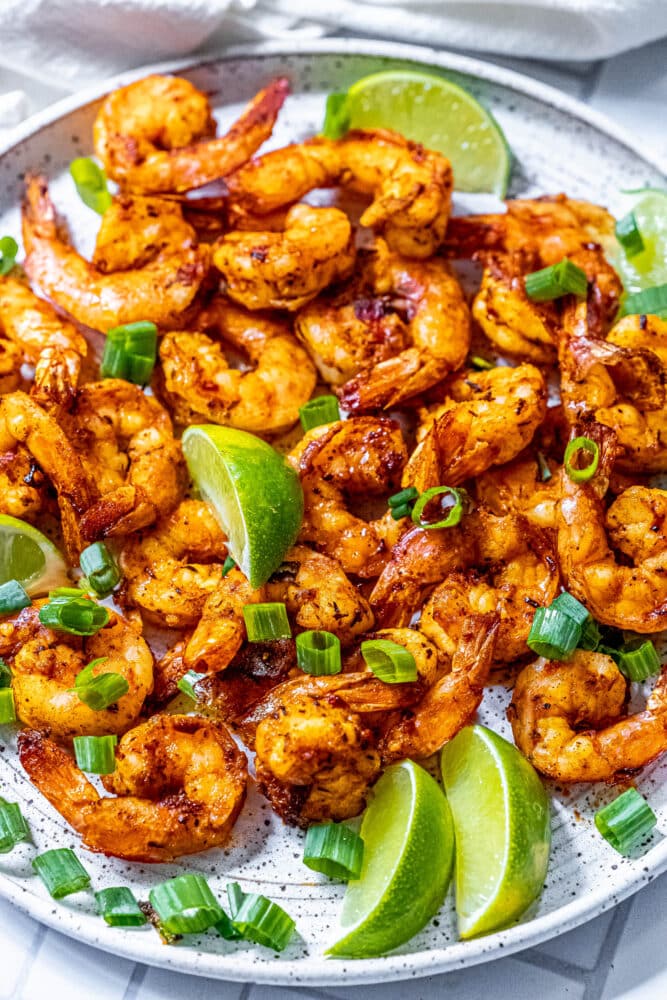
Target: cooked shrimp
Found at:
x=451, y=702
x=135, y=229
x=284, y=270
x=159, y=291
x=157, y=135
x=411, y=186
x=569, y=719
x=24, y=489
x=33, y=325
x=11, y=359
x=520, y=487
x=349, y=461
x=45, y=663
x=179, y=785
x=394, y=331
x=199, y=381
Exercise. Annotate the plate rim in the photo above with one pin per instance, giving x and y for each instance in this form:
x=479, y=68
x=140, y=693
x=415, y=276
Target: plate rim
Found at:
x=319, y=971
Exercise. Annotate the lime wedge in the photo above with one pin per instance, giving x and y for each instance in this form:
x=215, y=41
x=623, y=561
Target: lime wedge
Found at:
x=256, y=495
x=503, y=832
x=30, y=557
x=434, y=111
x=408, y=858
x=649, y=267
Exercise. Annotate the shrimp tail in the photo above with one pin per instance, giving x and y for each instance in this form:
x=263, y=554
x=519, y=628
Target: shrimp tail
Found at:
x=55, y=775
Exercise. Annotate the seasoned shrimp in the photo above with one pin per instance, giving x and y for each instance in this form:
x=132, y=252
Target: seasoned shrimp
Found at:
x=199, y=382
x=343, y=462
x=24, y=489
x=127, y=446
x=45, y=664
x=520, y=487
x=284, y=270
x=487, y=419
x=33, y=325
x=569, y=719
x=157, y=135
x=411, y=186
x=451, y=702
x=136, y=229
x=179, y=785
x=160, y=290
x=395, y=330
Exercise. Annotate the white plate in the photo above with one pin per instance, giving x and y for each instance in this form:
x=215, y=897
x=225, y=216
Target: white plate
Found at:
x=559, y=145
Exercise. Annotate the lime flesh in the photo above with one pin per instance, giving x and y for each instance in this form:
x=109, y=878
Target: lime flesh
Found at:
x=256, y=495
x=408, y=859
x=30, y=557
x=648, y=268
x=503, y=831
x=442, y=116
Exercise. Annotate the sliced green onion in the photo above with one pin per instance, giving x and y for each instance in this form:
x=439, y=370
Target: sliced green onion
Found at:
x=650, y=302
x=102, y=691
x=400, y=504
x=640, y=663
x=564, y=278
x=119, y=908
x=8, y=251
x=336, y=115
x=5, y=675
x=226, y=929
x=545, y=471
x=235, y=895
x=75, y=615
x=13, y=827
x=453, y=516
x=100, y=568
x=390, y=662
x=130, y=352
x=61, y=872
x=335, y=850
x=91, y=184
x=86, y=675
x=13, y=597
x=265, y=622
x=260, y=920
x=185, y=904
x=187, y=683
x=629, y=236
x=7, y=706
x=227, y=565
x=590, y=633
x=481, y=364
x=318, y=653
x=581, y=444
x=96, y=754
x=553, y=634
x=68, y=592
x=323, y=410
x=626, y=821
x=591, y=636
x=405, y=510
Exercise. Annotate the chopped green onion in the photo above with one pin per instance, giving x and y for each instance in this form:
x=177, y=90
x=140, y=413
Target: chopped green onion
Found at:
x=481, y=363
x=91, y=184
x=75, y=615
x=650, y=302
x=8, y=251
x=96, y=754
x=86, y=675
x=564, y=278
x=405, y=510
x=225, y=927
x=265, y=622
x=629, y=236
x=13, y=827
x=235, y=895
x=260, y=920
x=100, y=568
x=640, y=663
x=545, y=471
x=553, y=634
x=590, y=633
x=185, y=904
x=119, y=907
x=336, y=115
x=13, y=597
x=335, y=850
x=577, y=445
x=68, y=592
x=626, y=821
x=187, y=683
x=227, y=565
x=102, y=691
x=5, y=675
x=390, y=662
x=61, y=872
x=318, y=653
x=130, y=352
x=453, y=516
x=323, y=410
x=400, y=504
x=7, y=706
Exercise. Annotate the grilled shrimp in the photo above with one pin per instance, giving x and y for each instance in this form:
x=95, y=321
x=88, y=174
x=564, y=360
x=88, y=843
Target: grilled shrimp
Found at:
x=398, y=327
x=126, y=444
x=157, y=135
x=348, y=462
x=451, y=702
x=411, y=186
x=159, y=291
x=487, y=419
x=135, y=229
x=199, y=382
x=45, y=664
x=284, y=270
x=179, y=785
x=569, y=719
x=24, y=489
x=520, y=487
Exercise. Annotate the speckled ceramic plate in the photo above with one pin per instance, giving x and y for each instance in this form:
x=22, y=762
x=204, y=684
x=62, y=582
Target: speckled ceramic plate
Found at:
x=559, y=145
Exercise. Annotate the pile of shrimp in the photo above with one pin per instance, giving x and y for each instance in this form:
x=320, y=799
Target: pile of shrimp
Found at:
x=263, y=301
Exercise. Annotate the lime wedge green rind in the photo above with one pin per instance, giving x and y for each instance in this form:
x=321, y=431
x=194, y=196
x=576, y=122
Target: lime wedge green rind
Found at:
x=256, y=495
x=438, y=113
x=30, y=557
x=648, y=268
x=408, y=859
x=503, y=829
